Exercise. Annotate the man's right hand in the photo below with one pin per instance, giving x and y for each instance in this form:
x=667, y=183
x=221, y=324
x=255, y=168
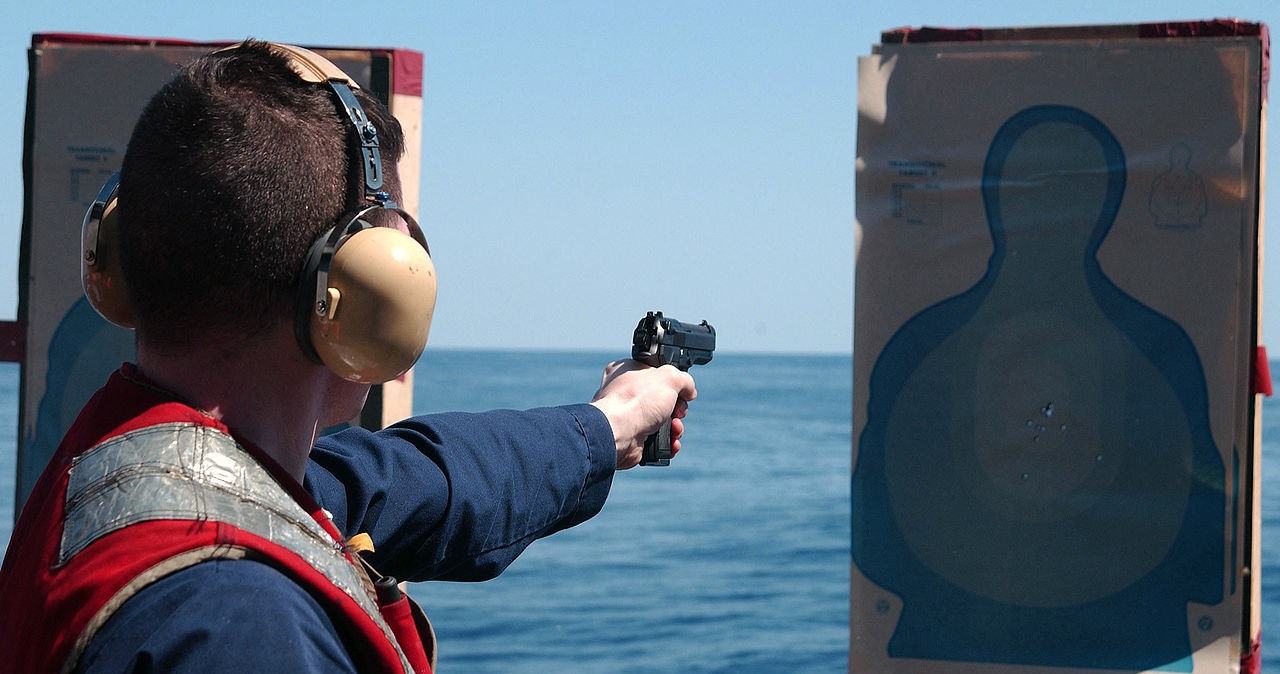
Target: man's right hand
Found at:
x=637, y=400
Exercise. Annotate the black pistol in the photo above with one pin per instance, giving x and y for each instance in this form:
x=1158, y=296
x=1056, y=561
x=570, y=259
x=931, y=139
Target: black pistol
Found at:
x=659, y=341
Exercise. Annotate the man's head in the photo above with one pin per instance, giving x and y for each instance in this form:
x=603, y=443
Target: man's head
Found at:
x=233, y=169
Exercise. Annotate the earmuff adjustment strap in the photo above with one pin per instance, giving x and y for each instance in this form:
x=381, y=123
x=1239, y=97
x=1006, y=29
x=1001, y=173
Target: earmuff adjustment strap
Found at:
x=370, y=152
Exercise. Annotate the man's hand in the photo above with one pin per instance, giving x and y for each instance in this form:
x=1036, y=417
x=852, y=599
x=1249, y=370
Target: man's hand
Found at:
x=637, y=399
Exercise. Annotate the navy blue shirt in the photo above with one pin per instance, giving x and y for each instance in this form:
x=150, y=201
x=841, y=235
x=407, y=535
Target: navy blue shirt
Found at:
x=449, y=496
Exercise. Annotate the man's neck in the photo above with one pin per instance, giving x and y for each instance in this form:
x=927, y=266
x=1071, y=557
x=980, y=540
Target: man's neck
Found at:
x=266, y=392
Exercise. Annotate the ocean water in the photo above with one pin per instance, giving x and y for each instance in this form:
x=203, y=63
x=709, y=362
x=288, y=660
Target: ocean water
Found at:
x=735, y=558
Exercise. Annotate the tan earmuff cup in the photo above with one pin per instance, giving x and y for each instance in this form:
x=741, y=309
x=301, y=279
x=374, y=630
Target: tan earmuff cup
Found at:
x=103, y=283
x=381, y=293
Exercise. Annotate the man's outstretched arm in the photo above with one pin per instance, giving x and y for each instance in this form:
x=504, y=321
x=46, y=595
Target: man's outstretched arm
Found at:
x=459, y=496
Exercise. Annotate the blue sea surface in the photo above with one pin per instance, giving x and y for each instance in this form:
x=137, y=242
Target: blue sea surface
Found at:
x=734, y=558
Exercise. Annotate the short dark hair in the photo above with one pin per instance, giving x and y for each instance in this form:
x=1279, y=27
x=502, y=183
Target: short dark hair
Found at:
x=233, y=169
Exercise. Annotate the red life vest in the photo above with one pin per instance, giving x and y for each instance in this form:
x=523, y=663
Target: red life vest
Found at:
x=143, y=486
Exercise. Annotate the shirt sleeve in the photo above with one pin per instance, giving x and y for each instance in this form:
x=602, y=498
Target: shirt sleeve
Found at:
x=218, y=616
x=459, y=496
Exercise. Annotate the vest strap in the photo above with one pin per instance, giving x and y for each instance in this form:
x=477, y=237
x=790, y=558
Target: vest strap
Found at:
x=151, y=575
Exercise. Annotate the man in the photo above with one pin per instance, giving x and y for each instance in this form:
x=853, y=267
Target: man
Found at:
x=190, y=520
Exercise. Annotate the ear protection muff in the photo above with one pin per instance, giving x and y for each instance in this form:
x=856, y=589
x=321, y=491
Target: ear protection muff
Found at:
x=100, y=258
x=366, y=300
x=366, y=293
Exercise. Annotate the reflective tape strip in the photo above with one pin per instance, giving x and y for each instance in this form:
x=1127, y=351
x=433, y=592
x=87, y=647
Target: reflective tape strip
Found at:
x=185, y=471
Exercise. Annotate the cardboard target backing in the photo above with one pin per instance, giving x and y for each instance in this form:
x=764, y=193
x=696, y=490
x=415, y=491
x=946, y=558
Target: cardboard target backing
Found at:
x=1055, y=327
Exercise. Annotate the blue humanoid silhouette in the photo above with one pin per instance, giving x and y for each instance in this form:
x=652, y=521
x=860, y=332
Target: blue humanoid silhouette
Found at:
x=1036, y=480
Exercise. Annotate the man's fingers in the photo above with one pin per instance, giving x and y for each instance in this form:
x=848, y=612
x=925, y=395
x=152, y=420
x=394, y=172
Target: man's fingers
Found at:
x=683, y=381
x=634, y=397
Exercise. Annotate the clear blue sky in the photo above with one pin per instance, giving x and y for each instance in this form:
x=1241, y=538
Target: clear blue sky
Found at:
x=586, y=161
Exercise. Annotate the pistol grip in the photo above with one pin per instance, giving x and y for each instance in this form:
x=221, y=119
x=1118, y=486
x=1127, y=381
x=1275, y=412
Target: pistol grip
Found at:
x=657, y=447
